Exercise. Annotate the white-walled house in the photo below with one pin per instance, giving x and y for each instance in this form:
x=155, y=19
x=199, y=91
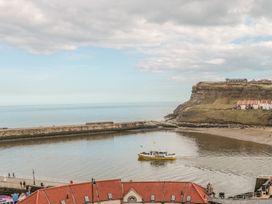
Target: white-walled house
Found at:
x=254, y=104
x=266, y=104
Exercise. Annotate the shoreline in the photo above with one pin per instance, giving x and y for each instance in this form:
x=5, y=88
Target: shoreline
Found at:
x=261, y=135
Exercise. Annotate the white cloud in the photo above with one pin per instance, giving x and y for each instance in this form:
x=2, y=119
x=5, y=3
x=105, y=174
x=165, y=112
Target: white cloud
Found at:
x=216, y=61
x=201, y=35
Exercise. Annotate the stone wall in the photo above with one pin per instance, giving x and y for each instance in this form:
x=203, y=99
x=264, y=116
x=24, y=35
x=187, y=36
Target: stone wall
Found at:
x=24, y=133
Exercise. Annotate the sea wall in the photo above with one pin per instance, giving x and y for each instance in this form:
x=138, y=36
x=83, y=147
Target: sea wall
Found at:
x=89, y=128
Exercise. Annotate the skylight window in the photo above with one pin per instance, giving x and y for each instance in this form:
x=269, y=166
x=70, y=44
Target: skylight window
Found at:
x=86, y=198
x=173, y=198
x=110, y=196
x=152, y=197
x=188, y=198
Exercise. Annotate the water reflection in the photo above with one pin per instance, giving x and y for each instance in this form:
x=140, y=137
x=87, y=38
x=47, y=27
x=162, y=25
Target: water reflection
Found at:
x=61, y=139
x=158, y=163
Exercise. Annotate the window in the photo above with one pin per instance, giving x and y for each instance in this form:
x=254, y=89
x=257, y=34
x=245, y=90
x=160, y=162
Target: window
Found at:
x=86, y=198
x=173, y=198
x=110, y=196
x=62, y=202
x=132, y=199
x=182, y=197
x=152, y=198
x=188, y=198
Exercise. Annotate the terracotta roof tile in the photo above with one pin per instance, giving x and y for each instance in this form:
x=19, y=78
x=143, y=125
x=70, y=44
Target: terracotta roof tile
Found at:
x=30, y=199
x=163, y=191
x=56, y=195
x=81, y=190
x=113, y=187
x=145, y=189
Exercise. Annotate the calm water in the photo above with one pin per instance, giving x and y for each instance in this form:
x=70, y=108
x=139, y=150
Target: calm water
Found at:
x=44, y=115
x=231, y=165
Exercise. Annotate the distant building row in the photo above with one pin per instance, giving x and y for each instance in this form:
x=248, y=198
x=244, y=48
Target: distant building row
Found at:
x=245, y=81
x=254, y=104
x=236, y=81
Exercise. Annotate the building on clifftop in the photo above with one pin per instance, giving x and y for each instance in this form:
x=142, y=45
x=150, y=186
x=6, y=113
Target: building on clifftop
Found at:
x=236, y=81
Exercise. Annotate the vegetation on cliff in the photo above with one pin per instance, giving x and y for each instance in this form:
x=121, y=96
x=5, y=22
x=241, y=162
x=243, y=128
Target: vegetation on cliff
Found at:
x=213, y=102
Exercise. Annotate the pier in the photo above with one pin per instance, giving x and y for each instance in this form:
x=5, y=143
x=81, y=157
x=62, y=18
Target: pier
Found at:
x=7, y=134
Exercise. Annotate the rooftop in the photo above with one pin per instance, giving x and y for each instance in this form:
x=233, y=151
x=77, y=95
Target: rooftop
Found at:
x=153, y=191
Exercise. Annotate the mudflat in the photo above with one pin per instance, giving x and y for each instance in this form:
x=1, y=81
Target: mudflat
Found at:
x=262, y=135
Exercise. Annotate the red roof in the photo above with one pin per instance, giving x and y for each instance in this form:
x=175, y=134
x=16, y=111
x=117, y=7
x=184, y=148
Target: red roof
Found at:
x=161, y=191
x=114, y=187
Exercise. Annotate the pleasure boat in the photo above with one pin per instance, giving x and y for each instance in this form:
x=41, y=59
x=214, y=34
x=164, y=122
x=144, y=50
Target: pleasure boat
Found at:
x=156, y=155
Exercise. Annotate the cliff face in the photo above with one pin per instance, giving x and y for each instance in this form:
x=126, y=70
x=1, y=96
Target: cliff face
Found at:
x=213, y=102
x=209, y=92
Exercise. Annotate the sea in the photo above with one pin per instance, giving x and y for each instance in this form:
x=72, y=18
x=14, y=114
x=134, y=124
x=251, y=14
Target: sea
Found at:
x=48, y=115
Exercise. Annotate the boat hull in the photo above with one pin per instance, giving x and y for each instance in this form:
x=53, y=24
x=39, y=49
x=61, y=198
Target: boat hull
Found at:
x=152, y=157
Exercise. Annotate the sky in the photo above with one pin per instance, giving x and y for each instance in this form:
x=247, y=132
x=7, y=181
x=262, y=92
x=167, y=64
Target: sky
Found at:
x=127, y=51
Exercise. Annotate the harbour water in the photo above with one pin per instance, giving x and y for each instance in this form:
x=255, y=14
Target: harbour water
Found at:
x=230, y=165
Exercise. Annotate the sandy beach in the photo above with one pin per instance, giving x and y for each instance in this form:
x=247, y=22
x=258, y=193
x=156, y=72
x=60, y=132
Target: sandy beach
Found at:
x=262, y=135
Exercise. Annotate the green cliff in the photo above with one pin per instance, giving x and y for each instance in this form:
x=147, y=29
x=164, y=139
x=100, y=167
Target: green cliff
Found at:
x=213, y=102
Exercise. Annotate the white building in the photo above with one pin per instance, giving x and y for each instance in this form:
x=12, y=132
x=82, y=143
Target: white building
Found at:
x=254, y=104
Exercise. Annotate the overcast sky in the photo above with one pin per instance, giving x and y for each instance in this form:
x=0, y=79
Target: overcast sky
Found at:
x=89, y=51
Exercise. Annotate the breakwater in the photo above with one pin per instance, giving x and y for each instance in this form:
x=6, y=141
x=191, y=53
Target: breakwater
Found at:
x=87, y=128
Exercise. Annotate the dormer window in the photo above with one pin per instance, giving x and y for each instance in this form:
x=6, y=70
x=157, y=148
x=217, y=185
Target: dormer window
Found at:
x=132, y=199
x=110, y=196
x=86, y=199
x=182, y=197
x=173, y=198
x=152, y=198
x=188, y=199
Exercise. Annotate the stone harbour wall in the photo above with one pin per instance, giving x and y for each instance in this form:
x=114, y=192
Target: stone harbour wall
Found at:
x=26, y=133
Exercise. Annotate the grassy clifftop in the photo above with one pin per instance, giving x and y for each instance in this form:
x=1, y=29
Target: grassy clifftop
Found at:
x=213, y=102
